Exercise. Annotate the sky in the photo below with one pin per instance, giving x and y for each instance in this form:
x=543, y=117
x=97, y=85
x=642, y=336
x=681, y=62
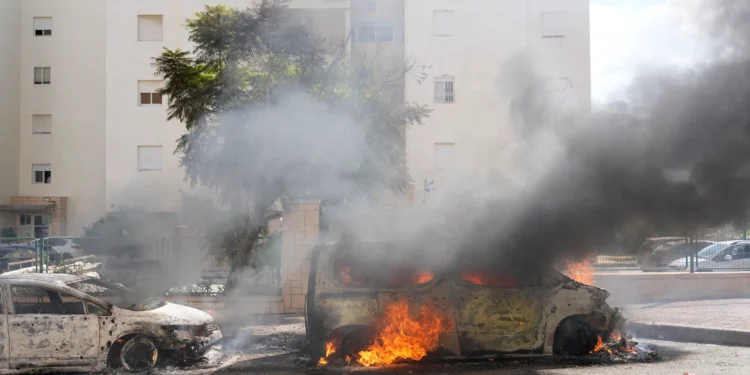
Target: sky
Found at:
x=628, y=36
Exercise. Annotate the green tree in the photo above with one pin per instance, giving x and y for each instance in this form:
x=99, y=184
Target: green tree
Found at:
x=236, y=93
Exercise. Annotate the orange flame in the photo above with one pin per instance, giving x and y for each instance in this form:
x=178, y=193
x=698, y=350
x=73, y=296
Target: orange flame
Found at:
x=582, y=272
x=600, y=346
x=615, y=337
x=423, y=277
x=399, y=336
x=489, y=279
x=346, y=274
x=330, y=349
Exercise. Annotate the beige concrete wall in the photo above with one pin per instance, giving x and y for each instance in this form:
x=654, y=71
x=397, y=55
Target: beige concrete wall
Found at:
x=300, y=233
x=10, y=105
x=643, y=287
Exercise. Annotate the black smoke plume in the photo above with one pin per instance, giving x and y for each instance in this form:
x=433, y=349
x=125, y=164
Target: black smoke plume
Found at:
x=674, y=154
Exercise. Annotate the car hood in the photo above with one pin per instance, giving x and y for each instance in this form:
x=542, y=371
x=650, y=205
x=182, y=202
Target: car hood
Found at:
x=170, y=314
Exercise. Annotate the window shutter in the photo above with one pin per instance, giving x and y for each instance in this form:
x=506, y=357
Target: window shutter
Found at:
x=553, y=25
x=149, y=158
x=42, y=23
x=443, y=22
x=41, y=124
x=150, y=28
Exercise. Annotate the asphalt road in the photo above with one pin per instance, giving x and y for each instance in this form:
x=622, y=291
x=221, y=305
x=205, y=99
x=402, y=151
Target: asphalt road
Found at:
x=674, y=358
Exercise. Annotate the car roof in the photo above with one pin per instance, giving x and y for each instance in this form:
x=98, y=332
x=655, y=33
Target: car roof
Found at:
x=57, y=278
x=732, y=242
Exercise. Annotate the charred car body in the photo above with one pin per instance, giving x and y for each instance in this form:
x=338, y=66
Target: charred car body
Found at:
x=494, y=310
x=71, y=323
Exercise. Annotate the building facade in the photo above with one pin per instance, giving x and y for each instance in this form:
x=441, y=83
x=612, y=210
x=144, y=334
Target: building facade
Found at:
x=82, y=130
x=469, y=52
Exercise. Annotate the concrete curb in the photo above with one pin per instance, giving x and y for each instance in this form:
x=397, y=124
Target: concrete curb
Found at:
x=699, y=335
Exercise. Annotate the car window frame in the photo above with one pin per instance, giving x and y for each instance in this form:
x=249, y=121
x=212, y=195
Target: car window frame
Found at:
x=59, y=288
x=720, y=256
x=537, y=281
x=47, y=289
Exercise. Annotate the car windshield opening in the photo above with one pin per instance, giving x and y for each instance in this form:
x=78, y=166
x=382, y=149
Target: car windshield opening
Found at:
x=116, y=295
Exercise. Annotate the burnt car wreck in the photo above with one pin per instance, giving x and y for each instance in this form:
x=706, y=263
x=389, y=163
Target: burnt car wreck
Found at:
x=71, y=323
x=487, y=311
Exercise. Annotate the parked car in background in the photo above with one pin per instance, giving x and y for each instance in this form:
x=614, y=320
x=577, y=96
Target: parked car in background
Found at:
x=655, y=243
x=665, y=254
x=720, y=255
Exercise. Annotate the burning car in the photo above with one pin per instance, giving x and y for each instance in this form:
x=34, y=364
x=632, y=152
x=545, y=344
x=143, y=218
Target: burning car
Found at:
x=375, y=312
x=71, y=323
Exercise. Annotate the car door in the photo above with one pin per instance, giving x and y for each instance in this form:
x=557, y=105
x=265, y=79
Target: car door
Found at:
x=740, y=257
x=49, y=329
x=729, y=258
x=496, y=310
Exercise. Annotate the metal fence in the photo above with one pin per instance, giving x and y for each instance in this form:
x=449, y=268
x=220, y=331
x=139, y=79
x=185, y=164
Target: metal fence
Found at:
x=167, y=265
x=681, y=254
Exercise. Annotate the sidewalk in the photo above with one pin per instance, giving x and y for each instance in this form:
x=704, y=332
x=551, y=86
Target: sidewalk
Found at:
x=732, y=314
x=719, y=321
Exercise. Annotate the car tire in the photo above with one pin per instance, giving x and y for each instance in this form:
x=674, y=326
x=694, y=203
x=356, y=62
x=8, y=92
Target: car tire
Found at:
x=574, y=337
x=138, y=354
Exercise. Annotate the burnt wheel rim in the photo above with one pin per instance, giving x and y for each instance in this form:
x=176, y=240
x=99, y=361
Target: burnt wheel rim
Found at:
x=138, y=353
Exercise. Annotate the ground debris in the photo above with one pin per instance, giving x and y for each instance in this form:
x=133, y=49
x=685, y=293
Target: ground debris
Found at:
x=623, y=350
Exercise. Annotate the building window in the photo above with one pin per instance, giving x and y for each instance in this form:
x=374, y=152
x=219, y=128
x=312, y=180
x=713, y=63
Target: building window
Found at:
x=42, y=173
x=553, y=25
x=36, y=226
x=371, y=7
x=42, y=75
x=445, y=156
x=445, y=91
x=147, y=93
x=375, y=34
x=41, y=124
x=42, y=26
x=149, y=158
x=442, y=22
x=150, y=28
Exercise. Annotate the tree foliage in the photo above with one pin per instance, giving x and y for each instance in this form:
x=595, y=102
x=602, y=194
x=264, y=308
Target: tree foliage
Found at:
x=249, y=63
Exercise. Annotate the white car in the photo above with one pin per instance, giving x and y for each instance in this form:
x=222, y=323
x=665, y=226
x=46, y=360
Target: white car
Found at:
x=61, y=323
x=720, y=255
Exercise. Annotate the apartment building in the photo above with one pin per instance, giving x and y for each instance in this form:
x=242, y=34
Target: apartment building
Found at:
x=82, y=130
x=463, y=48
